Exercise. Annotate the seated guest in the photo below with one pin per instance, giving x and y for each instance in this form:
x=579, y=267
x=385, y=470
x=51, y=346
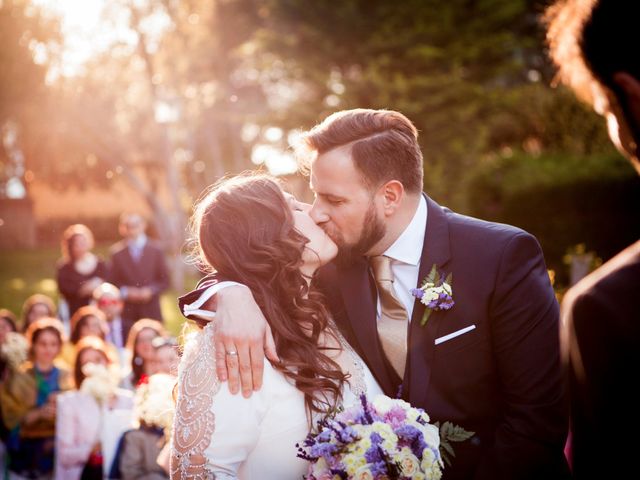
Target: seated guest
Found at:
x=79, y=272
x=87, y=320
x=79, y=418
x=35, y=307
x=154, y=413
x=140, y=349
x=29, y=401
x=8, y=323
x=167, y=356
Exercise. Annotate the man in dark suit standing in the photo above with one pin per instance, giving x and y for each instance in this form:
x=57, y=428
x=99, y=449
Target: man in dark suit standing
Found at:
x=139, y=270
x=594, y=43
x=489, y=363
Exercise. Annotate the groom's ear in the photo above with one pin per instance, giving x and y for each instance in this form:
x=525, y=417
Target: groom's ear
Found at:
x=392, y=195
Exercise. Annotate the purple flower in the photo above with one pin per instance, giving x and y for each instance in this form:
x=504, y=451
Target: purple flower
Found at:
x=326, y=450
x=379, y=469
x=417, y=292
x=347, y=434
x=373, y=454
x=395, y=417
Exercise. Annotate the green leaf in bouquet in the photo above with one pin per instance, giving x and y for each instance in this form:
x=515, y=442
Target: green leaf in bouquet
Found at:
x=433, y=275
x=449, y=279
x=425, y=317
x=455, y=433
x=451, y=433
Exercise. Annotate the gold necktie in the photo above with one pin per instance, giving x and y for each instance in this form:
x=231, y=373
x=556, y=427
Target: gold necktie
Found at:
x=392, y=324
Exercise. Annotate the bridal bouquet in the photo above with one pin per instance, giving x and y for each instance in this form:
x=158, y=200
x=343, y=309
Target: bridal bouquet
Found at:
x=14, y=350
x=100, y=382
x=154, y=401
x=382, y=439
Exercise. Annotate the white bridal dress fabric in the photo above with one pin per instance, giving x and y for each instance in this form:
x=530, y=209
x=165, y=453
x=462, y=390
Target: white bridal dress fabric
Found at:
x=229, y=436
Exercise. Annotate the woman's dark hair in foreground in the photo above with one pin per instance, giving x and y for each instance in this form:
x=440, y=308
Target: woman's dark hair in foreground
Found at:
x=244, y=230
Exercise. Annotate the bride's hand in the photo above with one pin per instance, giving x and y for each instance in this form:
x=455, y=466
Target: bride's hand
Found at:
x=241, y=327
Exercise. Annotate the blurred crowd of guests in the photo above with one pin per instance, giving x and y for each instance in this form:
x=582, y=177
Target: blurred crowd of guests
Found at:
x=89, y=394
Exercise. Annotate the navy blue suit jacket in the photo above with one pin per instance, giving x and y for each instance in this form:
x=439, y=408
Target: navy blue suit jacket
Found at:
x=149, y=271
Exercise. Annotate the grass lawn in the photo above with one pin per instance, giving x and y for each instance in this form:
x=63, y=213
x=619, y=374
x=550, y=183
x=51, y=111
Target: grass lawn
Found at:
x=25, y=272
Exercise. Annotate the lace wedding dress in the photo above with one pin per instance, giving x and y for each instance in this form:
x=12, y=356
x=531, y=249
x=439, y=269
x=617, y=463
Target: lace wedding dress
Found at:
x=223, y=436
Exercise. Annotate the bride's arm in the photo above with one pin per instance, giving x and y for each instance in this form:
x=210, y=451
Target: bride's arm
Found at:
x=240, y=327
x=213, y=431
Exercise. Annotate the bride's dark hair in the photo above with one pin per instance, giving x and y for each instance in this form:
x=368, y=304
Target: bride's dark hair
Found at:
x=244, y=230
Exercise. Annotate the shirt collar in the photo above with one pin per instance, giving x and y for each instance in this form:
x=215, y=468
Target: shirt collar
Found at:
x=139, y=241
x=408, y=246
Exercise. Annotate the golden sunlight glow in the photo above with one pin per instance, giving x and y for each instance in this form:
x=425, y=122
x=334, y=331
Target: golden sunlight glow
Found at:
x=80, y=22
x=90, y=27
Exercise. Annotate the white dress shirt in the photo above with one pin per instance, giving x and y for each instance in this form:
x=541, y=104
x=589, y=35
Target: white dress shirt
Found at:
x=405, y=254
x=136, y=246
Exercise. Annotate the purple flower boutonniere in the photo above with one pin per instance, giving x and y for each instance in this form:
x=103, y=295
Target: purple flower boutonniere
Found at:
x=435, y=293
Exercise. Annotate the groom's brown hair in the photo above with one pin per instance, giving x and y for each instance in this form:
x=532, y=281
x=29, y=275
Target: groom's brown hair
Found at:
x=383, y=145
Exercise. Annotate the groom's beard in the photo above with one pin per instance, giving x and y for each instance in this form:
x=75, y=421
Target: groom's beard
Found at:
x=373, y=229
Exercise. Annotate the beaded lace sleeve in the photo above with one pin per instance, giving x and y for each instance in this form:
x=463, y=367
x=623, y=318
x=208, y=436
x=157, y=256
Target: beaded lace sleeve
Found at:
x=194, y=422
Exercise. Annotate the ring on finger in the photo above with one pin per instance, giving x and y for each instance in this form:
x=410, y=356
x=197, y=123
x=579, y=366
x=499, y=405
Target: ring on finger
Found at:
x=232, y=353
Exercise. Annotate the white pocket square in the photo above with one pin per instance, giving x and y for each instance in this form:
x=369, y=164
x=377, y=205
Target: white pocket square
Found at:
x=455, y=334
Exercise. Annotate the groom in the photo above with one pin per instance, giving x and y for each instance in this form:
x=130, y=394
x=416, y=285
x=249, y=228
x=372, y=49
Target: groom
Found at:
x=490, y=363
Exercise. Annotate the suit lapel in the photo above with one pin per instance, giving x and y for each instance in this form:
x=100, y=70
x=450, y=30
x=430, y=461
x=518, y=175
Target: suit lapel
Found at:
x=435, y=251
x=360, y=303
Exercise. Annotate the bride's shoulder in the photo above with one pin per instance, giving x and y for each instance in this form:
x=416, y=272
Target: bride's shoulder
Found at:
x=198, y=367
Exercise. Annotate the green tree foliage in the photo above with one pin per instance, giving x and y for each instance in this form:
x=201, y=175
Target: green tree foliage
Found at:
x=451, y=66
x=472, y=75
x=565, y=200
x=25, y=36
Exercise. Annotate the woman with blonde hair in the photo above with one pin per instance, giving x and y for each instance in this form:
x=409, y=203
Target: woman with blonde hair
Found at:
x=36, y=306
x=79, y=271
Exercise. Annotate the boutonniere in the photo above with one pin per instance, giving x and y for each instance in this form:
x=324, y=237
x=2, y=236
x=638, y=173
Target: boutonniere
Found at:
x=435, y=293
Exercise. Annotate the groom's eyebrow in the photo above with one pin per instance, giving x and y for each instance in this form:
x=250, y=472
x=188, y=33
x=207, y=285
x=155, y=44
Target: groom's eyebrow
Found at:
x=330, y=196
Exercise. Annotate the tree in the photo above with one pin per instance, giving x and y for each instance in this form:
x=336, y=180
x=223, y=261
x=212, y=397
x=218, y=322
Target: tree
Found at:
x=25, y=36
x=466, y=72
x=164, y=109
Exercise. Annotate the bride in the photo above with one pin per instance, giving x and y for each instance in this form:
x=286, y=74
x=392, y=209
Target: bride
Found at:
x=249, y=231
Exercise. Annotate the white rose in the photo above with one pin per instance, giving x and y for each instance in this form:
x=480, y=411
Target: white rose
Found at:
x=382, y=404
x=408, y=463
x=431, y=435
x=363, y=473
